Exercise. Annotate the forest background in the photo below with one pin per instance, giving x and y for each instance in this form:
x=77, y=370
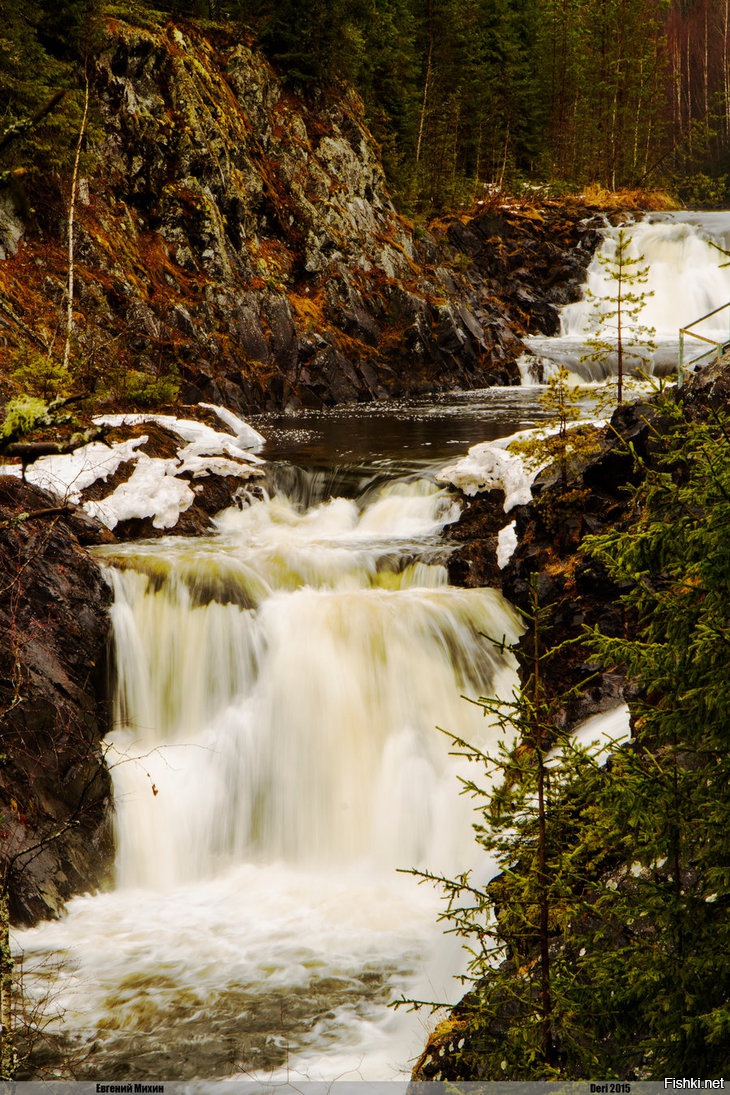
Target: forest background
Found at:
x=462, y=95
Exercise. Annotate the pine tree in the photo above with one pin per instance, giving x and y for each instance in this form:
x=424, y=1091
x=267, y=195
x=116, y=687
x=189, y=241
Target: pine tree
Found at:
x=619, y=311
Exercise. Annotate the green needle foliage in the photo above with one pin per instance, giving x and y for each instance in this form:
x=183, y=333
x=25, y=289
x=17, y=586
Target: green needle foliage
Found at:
x=603, y=947
x=526, y=1015
x=568, y=442
x=671, y=793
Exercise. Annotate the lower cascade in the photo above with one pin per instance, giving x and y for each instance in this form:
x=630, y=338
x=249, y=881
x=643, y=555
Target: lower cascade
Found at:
x=276, y=758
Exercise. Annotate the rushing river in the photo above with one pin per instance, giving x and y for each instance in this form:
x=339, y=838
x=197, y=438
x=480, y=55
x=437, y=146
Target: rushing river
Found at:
x=685, y=256
x=276, y=759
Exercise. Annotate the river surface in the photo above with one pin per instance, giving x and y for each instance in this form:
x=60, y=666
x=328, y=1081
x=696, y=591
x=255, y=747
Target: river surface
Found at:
x=276, y=761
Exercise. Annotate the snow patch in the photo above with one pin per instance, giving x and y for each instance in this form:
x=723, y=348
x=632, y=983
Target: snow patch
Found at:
x=491, y=465
x=155, y=488
x=204, y=438
x=69, y=475
x=506, y=544
x=245, y=435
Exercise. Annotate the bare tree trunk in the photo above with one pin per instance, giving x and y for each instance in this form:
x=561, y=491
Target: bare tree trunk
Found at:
x=455, y=152
x=677, y=80
x=542, y=878
x=500, y=184
x=71, y=212
x=635, y=154
x=619, y=332
x=478, y=164
x=688, y=97
x=706, y=66
x=426, y=85
x=726, y=66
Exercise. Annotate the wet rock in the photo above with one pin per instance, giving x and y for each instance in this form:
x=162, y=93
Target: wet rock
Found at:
x=530, y=262
x=474, y=561
x=709, y=387
x=574, y=591
x=12, y=224
x=54, y=627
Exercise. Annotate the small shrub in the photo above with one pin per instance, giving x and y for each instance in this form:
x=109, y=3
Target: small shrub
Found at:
x=39, y=374
x=150, y=391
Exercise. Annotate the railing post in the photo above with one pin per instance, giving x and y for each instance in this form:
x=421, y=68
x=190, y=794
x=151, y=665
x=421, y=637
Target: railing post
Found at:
x=681, y=359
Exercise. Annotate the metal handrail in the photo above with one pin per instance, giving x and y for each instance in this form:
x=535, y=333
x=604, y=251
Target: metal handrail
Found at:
x=718, y=347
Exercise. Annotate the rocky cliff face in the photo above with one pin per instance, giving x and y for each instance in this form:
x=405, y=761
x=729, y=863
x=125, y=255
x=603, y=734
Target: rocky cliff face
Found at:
x=242, y=240
x=54, y=787
x=231, y=233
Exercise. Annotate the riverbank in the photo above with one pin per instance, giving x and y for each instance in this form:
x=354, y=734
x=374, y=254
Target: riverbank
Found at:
x=578, y=595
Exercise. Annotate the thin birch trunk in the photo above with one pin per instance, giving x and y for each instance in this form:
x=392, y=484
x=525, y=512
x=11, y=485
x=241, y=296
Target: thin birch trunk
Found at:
x=726, y=66
x=546, y=1007
x=688, y=97
x=706, y=66
x=71, y=213
x=426, y=85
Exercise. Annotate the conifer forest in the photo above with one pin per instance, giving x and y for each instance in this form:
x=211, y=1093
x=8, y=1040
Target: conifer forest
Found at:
x=462, y=93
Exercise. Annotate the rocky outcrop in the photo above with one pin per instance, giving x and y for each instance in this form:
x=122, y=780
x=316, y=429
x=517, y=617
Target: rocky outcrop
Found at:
x=54, y=786
x=523, y=263
x=242, y=241
x=573, y=589
x=237, y=244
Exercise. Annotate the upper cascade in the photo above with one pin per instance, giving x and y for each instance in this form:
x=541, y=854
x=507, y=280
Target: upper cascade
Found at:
x=685, y=256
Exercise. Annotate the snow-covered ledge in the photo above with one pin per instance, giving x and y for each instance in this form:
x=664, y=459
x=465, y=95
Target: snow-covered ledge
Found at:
x=160, y=488
x=497, y=465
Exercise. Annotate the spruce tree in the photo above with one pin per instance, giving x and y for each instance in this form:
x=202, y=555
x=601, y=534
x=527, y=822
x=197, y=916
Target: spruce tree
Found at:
x=670, y=795
x=525, y=1017
x=603, y=948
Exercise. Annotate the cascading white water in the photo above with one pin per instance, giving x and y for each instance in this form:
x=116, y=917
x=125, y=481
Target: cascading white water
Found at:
x=687, y=278
x=275, y=758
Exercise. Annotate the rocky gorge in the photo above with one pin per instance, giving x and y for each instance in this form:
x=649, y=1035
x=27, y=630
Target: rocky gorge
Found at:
x=235, y=246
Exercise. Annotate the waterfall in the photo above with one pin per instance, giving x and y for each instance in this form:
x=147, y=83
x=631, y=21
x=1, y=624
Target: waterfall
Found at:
x=686, y=280
x=275, y=759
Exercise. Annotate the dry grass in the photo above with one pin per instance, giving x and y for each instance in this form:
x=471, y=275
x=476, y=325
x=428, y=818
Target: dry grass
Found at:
x=597, y=196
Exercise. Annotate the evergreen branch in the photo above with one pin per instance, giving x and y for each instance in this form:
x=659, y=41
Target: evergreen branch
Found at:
x=19, y=128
